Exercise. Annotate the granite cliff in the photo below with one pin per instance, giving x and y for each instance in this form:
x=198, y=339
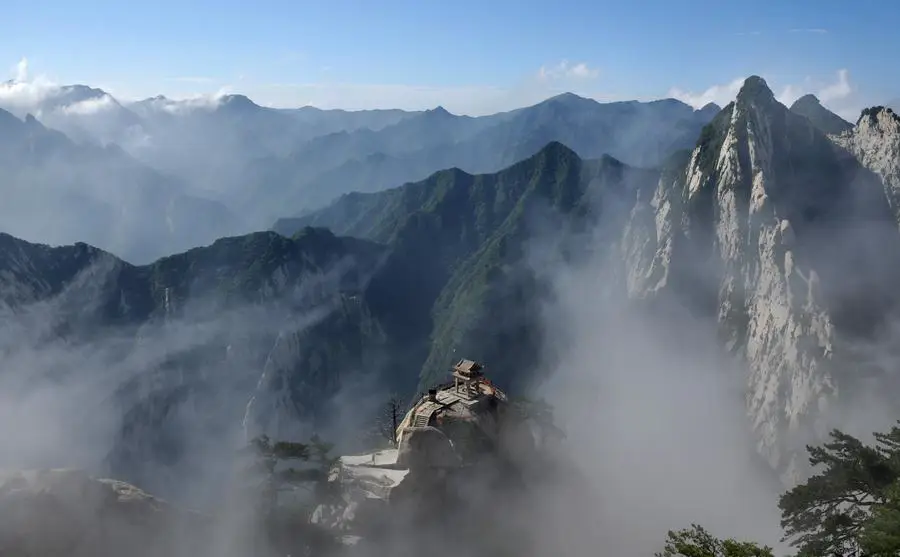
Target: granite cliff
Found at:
x=760, y=229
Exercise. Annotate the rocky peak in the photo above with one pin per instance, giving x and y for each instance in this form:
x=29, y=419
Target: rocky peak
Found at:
x=755, y=91
x=875, y=142
x=709, y=110
x=735, y=234
x=439, y=112
x=826, y=121
x=807, y=100
x=237, y=104
x=880, y=117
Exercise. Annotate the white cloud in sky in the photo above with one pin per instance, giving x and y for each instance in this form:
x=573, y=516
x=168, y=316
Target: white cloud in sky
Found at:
x=24, y=91
x=837, y=94
x=90, y=106
x=22, y=70
x=719, y=94
x=565, y=69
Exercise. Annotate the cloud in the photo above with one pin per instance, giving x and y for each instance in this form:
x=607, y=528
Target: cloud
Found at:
x=22, y=70
x=719, y=94
x=838, y=94
x=816, y=30
x=838, y=90
x=25, y=92
x=90, y=106
x=564, y=69
x=187, y=103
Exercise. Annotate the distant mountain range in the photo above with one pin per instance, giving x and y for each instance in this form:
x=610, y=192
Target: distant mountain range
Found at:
x=57, y=191
x=265, y=163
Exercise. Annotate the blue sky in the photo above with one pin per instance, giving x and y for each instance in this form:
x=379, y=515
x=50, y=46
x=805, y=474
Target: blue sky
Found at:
x=470, y=56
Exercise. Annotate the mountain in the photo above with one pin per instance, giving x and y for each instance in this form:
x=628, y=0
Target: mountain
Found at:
x=460, y=240
x=270, y=333
x=229, y=131
x=206, y=142
x=374, y=160
x=85, y=114
x=166, y=357
x=753, y=231
x=778, y=239
x=875, y=141
x=760, y=230
x=826, y=121
x=56, y=191
x=265, y=163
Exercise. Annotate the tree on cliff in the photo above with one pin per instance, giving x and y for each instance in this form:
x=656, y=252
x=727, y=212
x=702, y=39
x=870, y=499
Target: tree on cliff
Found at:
x=881, y=534
x=851, y=505
x=697, y=542
x=389, y=419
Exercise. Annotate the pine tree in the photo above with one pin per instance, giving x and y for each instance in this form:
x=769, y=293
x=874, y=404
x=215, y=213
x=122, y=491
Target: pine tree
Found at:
x=829, y=513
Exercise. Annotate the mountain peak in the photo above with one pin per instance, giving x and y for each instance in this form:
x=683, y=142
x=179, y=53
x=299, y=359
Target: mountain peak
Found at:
x=875, y=113
x=755, y=90
x=807, y=100
x=567, y=96
x=237, y=102
x=826, y=121
x=439, y=111
x=556, y=149
x=569, y=99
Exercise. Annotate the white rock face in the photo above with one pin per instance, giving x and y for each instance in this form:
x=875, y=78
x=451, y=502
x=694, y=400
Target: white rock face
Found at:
x=730, y=218
x=875, y=142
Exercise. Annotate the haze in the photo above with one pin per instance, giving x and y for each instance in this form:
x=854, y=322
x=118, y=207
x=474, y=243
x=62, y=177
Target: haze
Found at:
x=678, y=227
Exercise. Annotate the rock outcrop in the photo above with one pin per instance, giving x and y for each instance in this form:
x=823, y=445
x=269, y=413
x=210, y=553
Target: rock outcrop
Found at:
x=875, y=141
x=68, y=513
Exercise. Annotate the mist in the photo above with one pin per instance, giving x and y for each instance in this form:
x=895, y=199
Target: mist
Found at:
x=654, y=417
x=164, y=401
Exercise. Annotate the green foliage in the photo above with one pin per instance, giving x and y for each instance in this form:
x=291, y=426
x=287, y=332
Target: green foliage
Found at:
x=881, y=533
x=697, y=542
x=830, y=512
x=455, y=281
